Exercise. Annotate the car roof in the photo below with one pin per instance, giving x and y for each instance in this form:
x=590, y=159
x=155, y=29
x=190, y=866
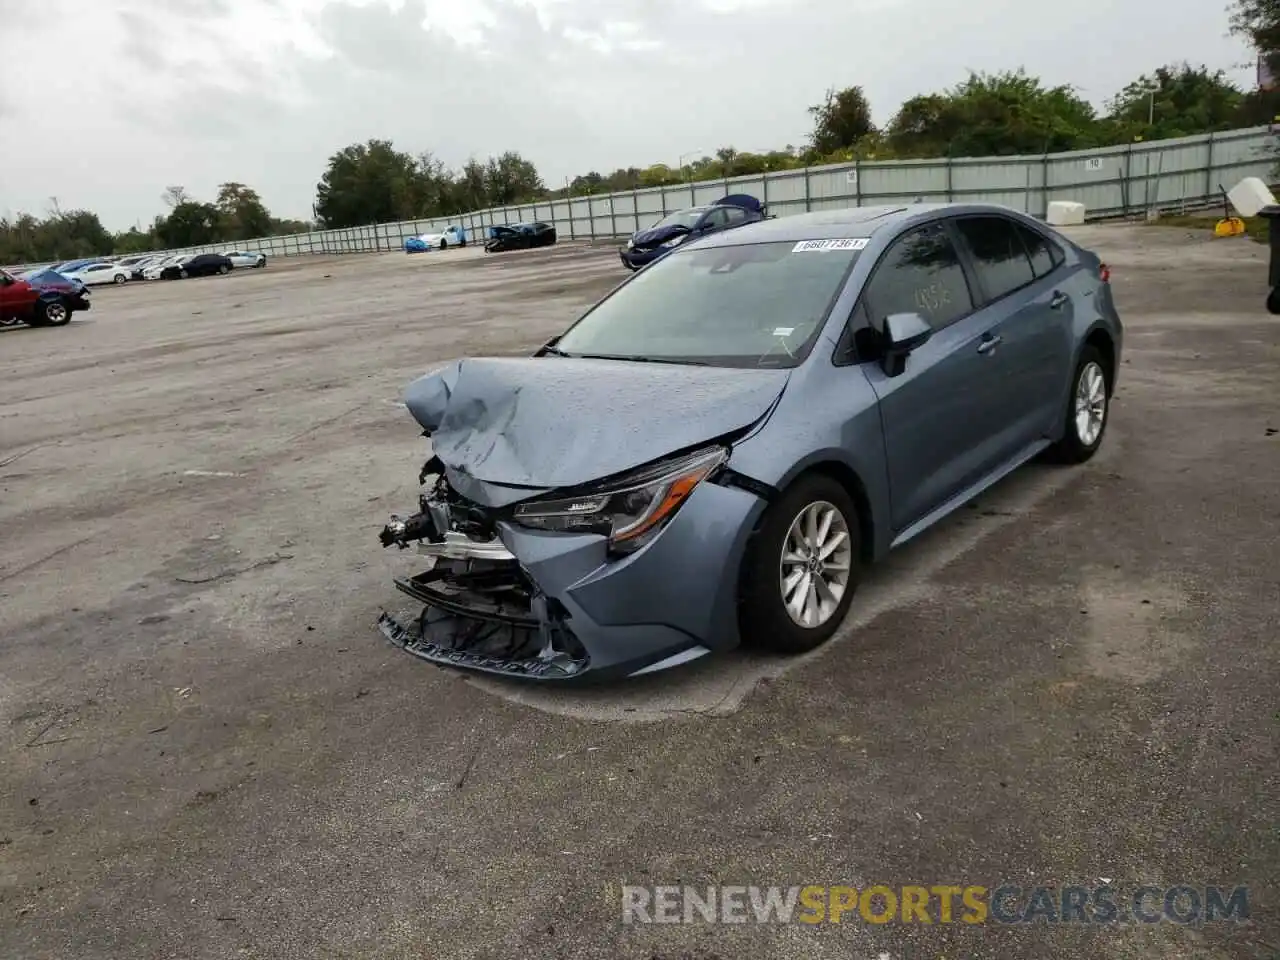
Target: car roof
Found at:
x=846, y=223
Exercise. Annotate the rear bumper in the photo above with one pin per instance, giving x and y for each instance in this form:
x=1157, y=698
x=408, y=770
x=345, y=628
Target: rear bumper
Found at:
x=561, y=610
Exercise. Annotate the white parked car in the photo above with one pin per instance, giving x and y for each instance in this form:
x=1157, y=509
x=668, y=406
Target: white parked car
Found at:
x=99, y=272
x=153, y=271
x=242, y=258
x=449, y=237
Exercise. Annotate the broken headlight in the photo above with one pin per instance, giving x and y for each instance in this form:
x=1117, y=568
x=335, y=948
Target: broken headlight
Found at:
x=630, y=511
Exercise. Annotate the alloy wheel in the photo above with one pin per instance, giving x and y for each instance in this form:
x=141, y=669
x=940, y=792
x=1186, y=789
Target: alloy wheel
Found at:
x=1090, y=403
x=817, y=557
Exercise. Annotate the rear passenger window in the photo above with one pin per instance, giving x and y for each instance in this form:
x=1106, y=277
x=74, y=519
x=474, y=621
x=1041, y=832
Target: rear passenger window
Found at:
x=921, y=274
x=1044, y=253
x=1000, y=257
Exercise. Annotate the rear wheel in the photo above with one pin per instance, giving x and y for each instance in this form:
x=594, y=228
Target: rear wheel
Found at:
x=802, y=569
x=223, y=268
x=120, y=278
x=444, y=244
x=1088, y=410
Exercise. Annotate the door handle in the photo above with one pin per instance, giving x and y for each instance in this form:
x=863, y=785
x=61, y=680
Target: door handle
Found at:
x=990, y=343
x=1059, y=300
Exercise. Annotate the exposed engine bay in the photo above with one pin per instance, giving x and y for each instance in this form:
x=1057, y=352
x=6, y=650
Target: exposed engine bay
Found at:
x=480, y=608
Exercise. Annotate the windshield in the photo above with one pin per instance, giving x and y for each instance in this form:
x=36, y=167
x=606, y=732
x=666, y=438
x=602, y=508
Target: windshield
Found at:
x=681, y=218
x=753, y=305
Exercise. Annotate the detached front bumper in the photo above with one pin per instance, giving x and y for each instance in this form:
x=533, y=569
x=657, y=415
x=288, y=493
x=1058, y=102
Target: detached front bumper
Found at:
x=555, y=607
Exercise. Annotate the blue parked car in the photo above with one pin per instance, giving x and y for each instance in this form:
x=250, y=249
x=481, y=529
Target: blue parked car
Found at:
x=716, y=452
x=671, y=231
x=69, y=266
x=449, y=237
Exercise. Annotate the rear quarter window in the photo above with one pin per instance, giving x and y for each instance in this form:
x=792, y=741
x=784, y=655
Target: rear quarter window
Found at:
x=1046, y=256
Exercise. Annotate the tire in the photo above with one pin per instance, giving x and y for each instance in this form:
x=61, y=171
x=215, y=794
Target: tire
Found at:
x=51, y=313
x=763, y=617
x=260, y=264
x=444, y=244
x=223, y=269
x=119, y=279
x=462, y=242
x=1088, y=410
x=182, y=274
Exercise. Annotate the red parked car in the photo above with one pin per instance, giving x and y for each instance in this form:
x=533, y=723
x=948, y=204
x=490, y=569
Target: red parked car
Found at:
x=41, y=298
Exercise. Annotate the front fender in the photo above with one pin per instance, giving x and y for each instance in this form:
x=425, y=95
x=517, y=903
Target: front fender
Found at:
x=828, y=421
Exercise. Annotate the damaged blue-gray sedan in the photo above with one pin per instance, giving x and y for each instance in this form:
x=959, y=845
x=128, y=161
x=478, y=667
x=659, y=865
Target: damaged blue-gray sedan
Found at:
x=715, y=450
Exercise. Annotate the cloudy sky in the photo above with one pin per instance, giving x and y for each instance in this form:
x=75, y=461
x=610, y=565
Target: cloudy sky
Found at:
x=141, y=94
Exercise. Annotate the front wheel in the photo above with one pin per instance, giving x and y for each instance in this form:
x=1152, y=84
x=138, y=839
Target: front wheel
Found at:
x=52, y=313
x=182, y=274
x=120, y=278
x=802, y=568
x=444, y=244
x=1088, y=410
x=223, y=268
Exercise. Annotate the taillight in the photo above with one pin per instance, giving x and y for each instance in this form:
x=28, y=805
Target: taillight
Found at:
x=1104, y=273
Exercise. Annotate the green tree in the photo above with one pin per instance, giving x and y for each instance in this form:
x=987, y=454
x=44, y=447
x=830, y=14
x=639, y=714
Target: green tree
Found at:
x=62, y=235
x=368, y=183
x=134, y=240
x=241, y=213
x=511, y=179
x=190, y=224
x=1259, y=21
x=999, y=114
x=1177, y=100
x=841, y=120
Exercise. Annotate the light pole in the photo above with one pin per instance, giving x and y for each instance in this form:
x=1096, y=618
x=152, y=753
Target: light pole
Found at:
x=680, y=161
x=1152, y=89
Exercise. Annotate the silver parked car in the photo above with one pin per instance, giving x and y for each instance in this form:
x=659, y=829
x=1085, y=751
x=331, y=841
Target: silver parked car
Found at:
x=715, y=450
x=246, y=258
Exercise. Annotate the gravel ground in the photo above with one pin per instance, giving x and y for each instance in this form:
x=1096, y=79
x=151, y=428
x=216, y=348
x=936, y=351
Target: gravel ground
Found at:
x=207, y=751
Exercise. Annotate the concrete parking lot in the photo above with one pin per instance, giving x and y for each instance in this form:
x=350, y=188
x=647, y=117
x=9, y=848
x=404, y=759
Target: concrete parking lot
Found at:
x=208, y=751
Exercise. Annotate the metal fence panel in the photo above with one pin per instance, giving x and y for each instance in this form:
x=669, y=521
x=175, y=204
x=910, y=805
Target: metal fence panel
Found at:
x=1109, y=181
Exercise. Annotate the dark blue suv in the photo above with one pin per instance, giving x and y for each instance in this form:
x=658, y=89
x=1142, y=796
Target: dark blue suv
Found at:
x=676, y=228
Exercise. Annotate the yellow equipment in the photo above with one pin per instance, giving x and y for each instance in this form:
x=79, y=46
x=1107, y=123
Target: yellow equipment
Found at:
x=1229, y=227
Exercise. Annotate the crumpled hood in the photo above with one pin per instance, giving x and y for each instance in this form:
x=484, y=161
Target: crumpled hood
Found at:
x=657, y=235
x=546, y=422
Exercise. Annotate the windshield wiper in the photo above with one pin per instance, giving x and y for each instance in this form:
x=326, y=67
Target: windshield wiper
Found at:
x=555, y=352
x=608, y=356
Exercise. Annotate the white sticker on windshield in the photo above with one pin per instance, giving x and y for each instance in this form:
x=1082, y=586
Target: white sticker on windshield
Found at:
x=852, y=243
x=783, y=331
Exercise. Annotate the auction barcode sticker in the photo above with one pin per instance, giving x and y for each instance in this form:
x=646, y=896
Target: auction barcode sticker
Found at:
x=854, y=243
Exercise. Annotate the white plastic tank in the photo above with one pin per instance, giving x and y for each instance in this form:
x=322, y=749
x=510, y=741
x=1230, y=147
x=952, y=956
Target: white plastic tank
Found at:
x=1064, y=213
x=1249, y=196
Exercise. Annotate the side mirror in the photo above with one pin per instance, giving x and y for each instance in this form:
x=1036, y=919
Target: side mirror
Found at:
x=906, y=331
x=903, y=333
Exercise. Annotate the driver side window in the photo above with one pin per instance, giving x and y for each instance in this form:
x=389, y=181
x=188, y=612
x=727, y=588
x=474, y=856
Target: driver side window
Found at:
x=921, y=273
